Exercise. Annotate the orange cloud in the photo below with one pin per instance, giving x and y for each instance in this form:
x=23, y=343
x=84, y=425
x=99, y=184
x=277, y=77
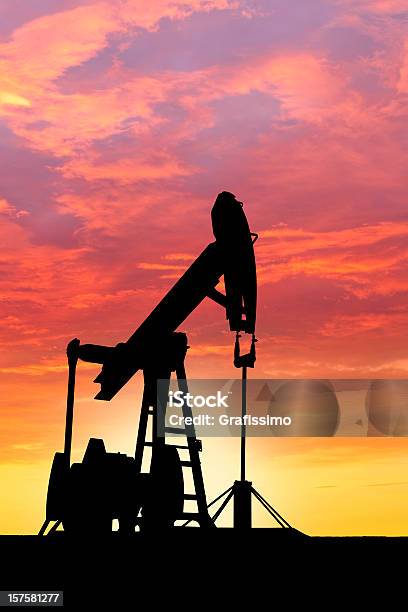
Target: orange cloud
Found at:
x=126, y=171
x=351, y=325
x=11, y=211
x=159, y=266
x=346, y=255
x=292, y=241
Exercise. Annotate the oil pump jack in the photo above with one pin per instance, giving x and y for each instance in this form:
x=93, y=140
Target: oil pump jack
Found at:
x=87, y=496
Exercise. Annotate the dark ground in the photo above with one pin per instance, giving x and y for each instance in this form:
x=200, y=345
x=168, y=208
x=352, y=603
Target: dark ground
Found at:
x=186, y=565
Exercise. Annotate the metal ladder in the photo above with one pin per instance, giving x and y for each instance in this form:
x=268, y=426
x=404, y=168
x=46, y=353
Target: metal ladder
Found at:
x=149, y=409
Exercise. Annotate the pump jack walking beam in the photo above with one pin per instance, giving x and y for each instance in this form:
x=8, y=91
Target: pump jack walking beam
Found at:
x=232, y=256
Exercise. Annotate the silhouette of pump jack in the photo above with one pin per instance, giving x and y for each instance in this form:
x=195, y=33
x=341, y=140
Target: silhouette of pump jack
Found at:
x=105, y=485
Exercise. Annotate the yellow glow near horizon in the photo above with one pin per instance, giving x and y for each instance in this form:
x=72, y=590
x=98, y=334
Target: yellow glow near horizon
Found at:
x=321, y=486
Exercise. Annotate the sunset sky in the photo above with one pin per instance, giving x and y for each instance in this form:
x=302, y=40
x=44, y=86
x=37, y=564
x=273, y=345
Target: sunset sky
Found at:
x=120, y=121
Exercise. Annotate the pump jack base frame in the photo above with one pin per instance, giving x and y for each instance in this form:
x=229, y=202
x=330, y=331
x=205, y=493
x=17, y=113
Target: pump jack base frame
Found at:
x=242, y=492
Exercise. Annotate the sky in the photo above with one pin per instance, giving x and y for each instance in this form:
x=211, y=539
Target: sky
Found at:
x=120, y=122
